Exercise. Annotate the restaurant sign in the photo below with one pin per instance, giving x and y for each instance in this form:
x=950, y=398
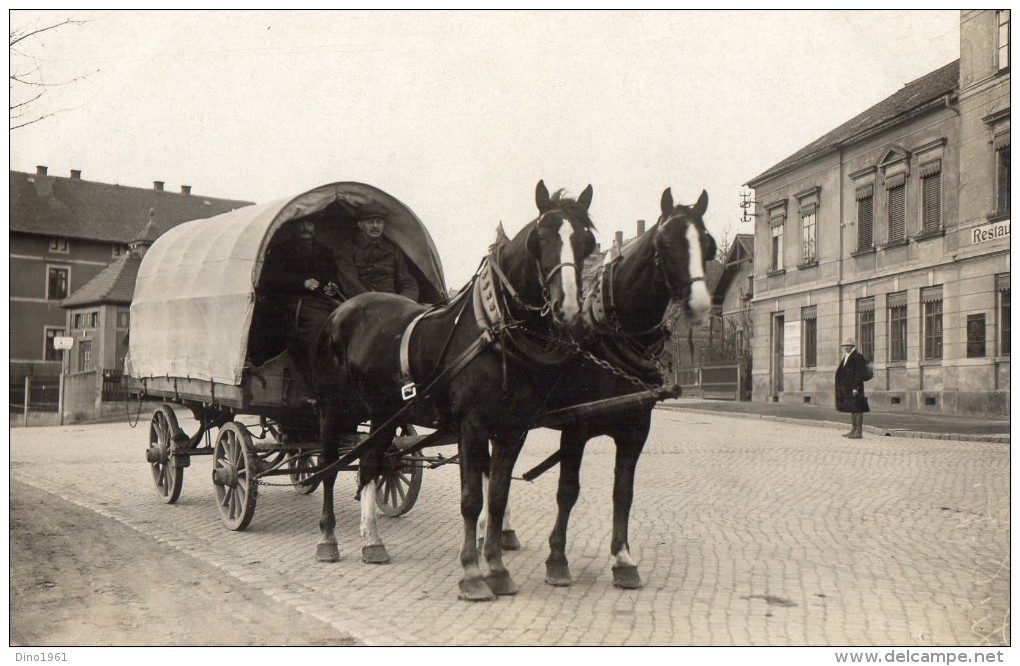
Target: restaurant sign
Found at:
x=990, y=232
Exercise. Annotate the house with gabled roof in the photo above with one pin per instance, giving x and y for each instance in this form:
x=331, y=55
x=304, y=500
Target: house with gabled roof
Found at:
x=893, y=229
x=66, y=231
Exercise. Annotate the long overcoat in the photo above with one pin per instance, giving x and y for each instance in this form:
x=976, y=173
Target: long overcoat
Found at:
x=851, y=375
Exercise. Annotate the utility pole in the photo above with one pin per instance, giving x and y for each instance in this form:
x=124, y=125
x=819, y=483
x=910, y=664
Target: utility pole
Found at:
x=745, y=205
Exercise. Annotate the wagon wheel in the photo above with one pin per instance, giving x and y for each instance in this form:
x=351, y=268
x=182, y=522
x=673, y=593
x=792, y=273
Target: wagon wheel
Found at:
x=299, y=479
x=162, y=430
x=235, y=467
x=294, y=460
x=400, y=483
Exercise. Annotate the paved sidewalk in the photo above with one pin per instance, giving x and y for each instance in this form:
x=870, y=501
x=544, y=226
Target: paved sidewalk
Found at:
x=898, y=424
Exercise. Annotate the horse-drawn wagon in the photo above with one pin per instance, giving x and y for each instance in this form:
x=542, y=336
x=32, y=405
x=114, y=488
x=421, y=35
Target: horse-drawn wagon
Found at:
x=519, y=347
x=196, y=321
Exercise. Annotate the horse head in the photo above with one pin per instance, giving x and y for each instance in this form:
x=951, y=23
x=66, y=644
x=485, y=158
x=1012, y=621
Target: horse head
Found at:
x=558, y=241
x=682, y=248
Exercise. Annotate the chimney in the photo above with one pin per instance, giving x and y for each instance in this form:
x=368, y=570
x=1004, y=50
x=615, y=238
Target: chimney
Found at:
x=640, y=227
x=157, y=185
x=618, y=239
x=40, y=171
x=76, y=174
x=185, y=189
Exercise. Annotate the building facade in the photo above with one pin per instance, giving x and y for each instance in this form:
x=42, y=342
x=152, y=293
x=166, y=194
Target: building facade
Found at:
x=894, y=229
x=63, y=233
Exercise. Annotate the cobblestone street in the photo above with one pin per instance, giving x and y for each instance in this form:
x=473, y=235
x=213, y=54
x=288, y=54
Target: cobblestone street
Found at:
x=747, y=532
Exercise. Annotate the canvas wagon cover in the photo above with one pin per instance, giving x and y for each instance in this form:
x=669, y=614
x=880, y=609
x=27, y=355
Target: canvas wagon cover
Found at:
x=195, y=292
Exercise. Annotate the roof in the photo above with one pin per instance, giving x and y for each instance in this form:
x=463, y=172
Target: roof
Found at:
x=913, y=97
x=195, y=293
x=741, y=250
x=75, y=208
x=115, y=284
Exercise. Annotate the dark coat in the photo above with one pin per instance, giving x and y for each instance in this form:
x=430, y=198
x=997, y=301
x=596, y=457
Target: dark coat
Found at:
x=288, y=314
x=366, y=265
x=849, y=376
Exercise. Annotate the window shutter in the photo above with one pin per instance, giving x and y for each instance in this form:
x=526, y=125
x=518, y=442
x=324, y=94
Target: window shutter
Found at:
x=931, y=168
x=931, y=194
x=898, y=299
x=1001, y=140
x=931, y=294
x=866, y=304
x=865, y=221
x=897, y=212
x=864, y=191
x=895, y=181
x=1002, y=282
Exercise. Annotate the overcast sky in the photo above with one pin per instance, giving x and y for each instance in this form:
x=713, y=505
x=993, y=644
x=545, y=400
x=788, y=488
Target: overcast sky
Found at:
x=458, y=115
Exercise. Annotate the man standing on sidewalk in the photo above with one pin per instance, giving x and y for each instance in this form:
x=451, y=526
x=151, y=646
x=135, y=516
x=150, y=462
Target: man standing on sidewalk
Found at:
x=851, y=373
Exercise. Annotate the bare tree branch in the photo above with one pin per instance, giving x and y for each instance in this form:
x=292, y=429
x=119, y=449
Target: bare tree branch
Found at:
x=27, y=75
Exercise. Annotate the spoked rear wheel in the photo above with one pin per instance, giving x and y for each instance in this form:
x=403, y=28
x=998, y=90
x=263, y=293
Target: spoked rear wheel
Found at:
x=301, y=462
x=235, y=468
x=162, y=429
x=398, y=487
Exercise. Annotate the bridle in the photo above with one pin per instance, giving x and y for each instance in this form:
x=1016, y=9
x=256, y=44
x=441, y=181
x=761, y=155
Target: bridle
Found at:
x=555, y=270
x=678, y=293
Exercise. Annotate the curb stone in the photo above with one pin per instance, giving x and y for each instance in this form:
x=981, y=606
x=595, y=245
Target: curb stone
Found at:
x=885, y=432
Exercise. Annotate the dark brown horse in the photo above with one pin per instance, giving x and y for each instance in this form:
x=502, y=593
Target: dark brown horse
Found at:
x=624, y=310
x=480, y=365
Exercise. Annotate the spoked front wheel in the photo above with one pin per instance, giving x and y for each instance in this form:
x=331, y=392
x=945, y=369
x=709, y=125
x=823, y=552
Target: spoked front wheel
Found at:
x=235, y=471
x=168, y=478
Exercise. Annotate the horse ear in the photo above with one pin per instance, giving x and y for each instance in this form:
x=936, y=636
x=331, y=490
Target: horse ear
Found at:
x=702, y=205
x=585, y=199
x=542, y=197
x=666, y=205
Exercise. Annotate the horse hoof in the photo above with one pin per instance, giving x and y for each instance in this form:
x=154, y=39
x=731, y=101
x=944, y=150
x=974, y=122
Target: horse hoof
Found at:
x=509, y=540
x=327, y=552
x=558, y=575
x=627, y=577
x=375, y=554
x=475, y=590
x=502, y=584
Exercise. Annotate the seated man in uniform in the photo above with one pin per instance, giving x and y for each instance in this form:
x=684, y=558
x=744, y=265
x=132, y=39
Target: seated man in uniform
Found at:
x=372, y=263
x=299, y=284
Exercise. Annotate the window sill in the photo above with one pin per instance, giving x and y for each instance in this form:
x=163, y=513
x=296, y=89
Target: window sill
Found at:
x=776, y=271
x=931, y=362
x=862, y=252
x=998, y=216
x=896, y=243
x=1001, y=359
x=896, y=365
x=929, y=235
x=807, y=264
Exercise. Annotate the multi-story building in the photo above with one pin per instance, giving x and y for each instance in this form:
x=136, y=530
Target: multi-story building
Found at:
x=63, y=233
x=893, y=229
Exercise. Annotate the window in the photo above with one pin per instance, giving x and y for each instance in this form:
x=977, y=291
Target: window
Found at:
x=898, y=327
x=931, y=299
x=56, y=283
x=84, y=355
x=931, y=197
x=123, y=319
x=865, y=217
x=808, y=239
x=76, y=321
x=777, y=246
x=809, y=316
x=118, y=250
x=1003, y=16
x=976, y=335
x=1001, y=144
x=897, y=211
x=1002, y=287
x=92, y=320
x=58, y=245
x=49, y=353
x=866, y=327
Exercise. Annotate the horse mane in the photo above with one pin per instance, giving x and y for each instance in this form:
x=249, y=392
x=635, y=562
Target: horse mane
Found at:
x=570, y=206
